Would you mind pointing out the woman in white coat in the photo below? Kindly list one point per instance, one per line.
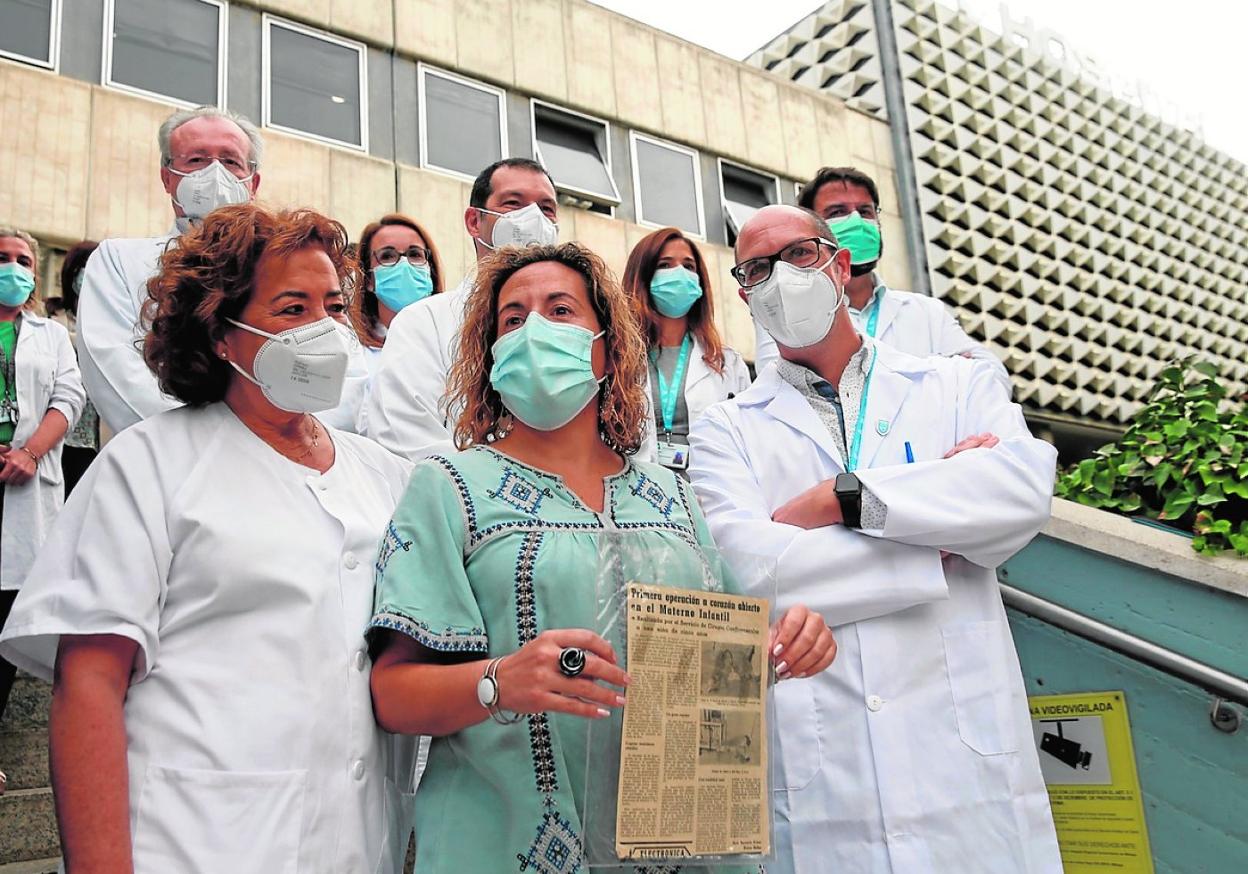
(40, 397)
(203, 595)
(690, 367)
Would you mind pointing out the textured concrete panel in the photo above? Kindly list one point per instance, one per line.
(681, 90)
(590, 57)
(537, 23)
(721, 104)
(296, 174)
(369, 20)
(438, 203)
(637, 89)
(426, 29)
(361, 189)
(760, 104)
(44, 154)
(483, 37)
(796, 114)
(125, 198)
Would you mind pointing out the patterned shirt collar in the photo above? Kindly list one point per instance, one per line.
(853, 378)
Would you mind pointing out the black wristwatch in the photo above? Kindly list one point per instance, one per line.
(849, 492)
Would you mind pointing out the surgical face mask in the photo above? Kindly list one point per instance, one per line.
(796, 305)
(402, 283)
(527, 226)
(16, 284)
(861, 237)
(674, 291)
(544, 372)
(301, 370)
(208, 188)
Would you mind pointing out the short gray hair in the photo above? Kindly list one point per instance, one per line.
(182, 116)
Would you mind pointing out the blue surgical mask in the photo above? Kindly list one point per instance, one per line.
(674, 291)
(544, 372)
(16, 284)
(402, 283)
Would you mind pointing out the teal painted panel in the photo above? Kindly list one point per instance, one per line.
(1201, 623)
(1194, 777)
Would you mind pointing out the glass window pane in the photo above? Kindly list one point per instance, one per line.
(667, 182)
(314, 85)
(26, 28)
(167, 47)
(462, 126)
(745, 193)
(570, 151)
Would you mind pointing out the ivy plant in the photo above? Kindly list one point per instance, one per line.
(1183, 462)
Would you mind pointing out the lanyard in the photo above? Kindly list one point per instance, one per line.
(667, 391)
(855, 445)
(873, 320)
(8, 400)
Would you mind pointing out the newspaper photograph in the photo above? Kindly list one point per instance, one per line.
(693, 755)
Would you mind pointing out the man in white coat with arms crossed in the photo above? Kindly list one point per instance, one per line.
(883, 490)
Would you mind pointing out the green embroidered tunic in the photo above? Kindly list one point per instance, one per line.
(483, 554)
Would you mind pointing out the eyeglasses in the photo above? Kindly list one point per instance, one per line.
(238, 167)
(388, 256)
(803, 253)
(868, 211)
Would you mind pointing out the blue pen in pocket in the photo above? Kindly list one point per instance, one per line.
(909, 453)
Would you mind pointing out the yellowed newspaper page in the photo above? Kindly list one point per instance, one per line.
(693, 756)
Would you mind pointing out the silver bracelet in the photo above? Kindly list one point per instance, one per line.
(490, 701)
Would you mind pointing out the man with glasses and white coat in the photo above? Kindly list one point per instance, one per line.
(849, 201)
(209, 157)
(512, 203)
(883, 490)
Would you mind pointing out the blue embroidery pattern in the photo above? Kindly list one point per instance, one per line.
(465, 498)
(517, 491)
(555, 850)
(391, 543)
(650, 492)
(447, 640)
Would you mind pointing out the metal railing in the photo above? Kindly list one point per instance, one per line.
(1219, 683)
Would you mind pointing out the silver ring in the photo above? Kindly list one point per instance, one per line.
(571, 661)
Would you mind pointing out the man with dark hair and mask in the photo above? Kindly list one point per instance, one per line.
(883, 490)
(209, 157)
(849, 201)
(512, 203)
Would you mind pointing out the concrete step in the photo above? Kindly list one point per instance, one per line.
(24, 758)
(27, 826)
(28, 705)
(35, 866)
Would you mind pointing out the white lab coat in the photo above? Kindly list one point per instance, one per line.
(246, 580)
(114, 288)
(110, 335)
(703, 389)
(913, 323)
(913, 752)
(47, 377)
(404, 410)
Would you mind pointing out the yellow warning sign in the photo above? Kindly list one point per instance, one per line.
(1084, 743)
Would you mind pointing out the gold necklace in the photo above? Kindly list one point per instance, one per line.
(315, 442)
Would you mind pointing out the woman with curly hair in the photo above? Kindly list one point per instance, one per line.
(485, 579)
(690, 367)
(201, 599)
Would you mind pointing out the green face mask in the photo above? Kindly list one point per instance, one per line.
(859, 236)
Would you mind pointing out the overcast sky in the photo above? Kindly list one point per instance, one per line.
(1190, 53)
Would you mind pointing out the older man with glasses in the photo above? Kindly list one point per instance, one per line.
(209, 157)
(848, 200)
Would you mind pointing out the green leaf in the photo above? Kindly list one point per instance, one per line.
(1162, 474)
(1176, 505)
(1103, 482)
(1177, 429)
(1206, 367)
(1130, 503)
(1200, 544)
(1239, 543)
(1221, 526)
(1210, 498)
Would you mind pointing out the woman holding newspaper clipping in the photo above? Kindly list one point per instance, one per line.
(485, 580)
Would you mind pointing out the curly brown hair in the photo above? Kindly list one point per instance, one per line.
(363, 305)
(622, 406)
(207, 275)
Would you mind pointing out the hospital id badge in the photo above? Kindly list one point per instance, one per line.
(674, 456)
